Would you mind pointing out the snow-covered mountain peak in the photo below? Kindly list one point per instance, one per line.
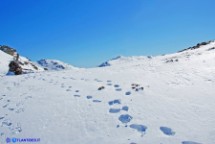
(122, 59)
(50, 64)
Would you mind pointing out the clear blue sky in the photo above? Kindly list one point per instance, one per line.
(87, 32)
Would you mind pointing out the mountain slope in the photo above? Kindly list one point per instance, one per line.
(135, 100)
(201, 50)
(26, 65)
(29, 66)
(4, 62)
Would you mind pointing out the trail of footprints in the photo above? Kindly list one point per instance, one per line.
(115, 107)
(125, 118)
(10, 107)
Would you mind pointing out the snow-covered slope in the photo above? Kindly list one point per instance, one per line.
(4, 62)
(29, 66)
(185, 55)
(54, 64)
(137, 100)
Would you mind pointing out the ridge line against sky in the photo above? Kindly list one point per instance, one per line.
(85, 33)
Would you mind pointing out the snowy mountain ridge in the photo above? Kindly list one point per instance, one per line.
(203, 48)
(8, 54)
(199, 45)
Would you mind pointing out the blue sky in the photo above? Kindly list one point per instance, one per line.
(87, 32)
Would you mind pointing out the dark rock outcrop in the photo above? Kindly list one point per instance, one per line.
(15, 68)
(196, 46)
(8, 50)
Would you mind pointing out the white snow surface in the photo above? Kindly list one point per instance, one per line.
(4, 62)
(177, 105)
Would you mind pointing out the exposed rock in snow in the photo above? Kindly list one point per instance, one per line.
(199, 45)
(7, 55)
(15, 68)
(8, 50)
(108, 63)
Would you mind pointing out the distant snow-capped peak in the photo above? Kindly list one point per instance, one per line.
(50, 64)
(123, 59)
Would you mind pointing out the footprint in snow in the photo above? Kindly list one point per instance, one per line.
(190, 142)
(28, 97)
(72, 78)
(125, 118)
(19, 110)
(97, 101)
(77, 96)
(128, 93)
(109, 84)
(118, 89)
(97, 80)
(89, 97)
(139, 128)
(117, 101)
(114, 110)
(125, 108)
(116, 86)
(6, 123)
(11, 109)
(5, 106)
(167, 131)
(19, 104)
